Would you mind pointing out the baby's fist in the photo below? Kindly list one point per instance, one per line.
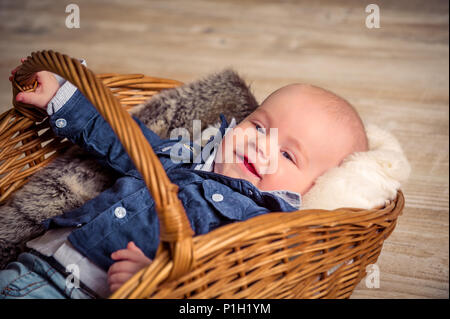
(128, 262)
(45, 90)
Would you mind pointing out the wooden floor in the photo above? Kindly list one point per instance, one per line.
(396, 76)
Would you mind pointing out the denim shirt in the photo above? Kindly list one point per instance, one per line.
(126, 211)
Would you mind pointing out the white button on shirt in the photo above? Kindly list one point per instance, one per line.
(217, 197)
(120, 212)
(60, 123)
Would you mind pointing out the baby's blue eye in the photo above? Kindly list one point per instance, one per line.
(286, 154)
(260, 129)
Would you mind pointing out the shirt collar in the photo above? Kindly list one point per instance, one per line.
(292, 198)
(270, 200)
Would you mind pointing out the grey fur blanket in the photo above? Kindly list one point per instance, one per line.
(75, 177)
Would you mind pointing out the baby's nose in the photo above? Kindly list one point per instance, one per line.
(269, 149)
(263, 153)
(266, 148)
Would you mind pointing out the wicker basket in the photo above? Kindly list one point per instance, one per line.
(304, 254)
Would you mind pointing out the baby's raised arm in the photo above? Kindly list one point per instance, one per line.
(73, 116)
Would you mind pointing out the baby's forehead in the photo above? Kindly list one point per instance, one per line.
(312, 107)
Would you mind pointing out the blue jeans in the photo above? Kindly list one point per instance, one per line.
(31, 277)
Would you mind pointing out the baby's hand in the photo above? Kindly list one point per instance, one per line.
(46, 89)
(132, 259)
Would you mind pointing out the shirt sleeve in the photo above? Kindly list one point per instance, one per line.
(80, 122)
(66, 90)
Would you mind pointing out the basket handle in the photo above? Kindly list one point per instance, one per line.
(175, 230)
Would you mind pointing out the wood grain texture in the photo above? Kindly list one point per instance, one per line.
(396, 77)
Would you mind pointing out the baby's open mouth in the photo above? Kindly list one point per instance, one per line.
(250, 167)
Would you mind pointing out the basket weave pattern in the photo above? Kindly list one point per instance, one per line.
(304, 254)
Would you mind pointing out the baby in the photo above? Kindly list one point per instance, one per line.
(264, 164)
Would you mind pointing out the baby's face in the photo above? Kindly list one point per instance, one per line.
(285, 144)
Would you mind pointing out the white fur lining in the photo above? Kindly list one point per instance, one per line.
(365, 179)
